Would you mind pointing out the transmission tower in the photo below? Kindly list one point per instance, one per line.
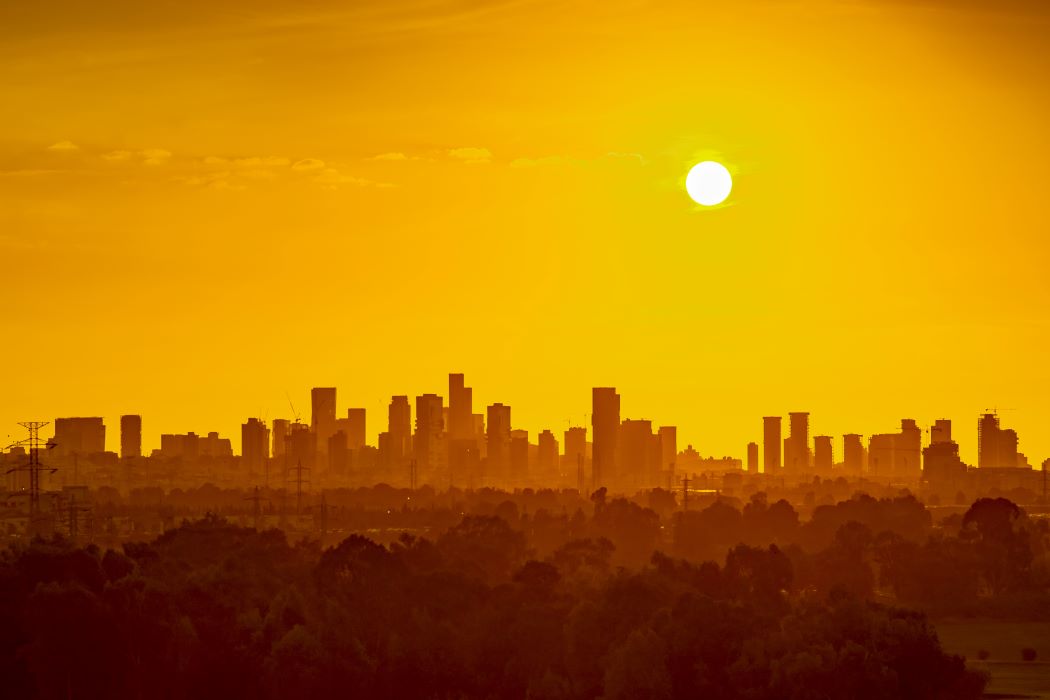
(32, 445)
(300, 479)
(74, 511)
(256, 499)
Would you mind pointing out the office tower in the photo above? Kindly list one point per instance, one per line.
(428, 444)
(605, 426)
(823, 455)
(796, 447)
(255, 446)
(519, 457)
(995, 447)
(575, 453)
(322, 415)
(941, 431)
(399, 425)
(897, 456)
(852, 454)
(497, 440)
(130, 436)
(633, 453)
(460, 409)
(463, 455)
(301, 447)
(547, 459)
(339, 453)
(771, 444)
(355, 428)
(668, 436)
(79, 436)
(752, 457)
(279, 433)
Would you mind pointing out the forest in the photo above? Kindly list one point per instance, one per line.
(622, 600)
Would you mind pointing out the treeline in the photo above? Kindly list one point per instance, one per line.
(522, 606)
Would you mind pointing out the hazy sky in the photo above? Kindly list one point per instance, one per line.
(205, 205)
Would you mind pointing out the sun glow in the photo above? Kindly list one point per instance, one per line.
(708, 183)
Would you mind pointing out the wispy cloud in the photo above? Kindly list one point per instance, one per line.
(471, 154)
(116, 156)
(155, 156)
(63, 146)
(307, 164)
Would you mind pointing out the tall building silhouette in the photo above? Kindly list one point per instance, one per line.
(519, 456)
(575, 450)
(771, 444)
(796, 446)
(823, 455)
(399, 426)
(547, 457)
(429, 438)
(79, 436)
(322, 415)
(668, 437)
(255, 446)
(605, 426)
(279, 429)
(995, 447)
(852, 454)
(354, 427)
(941, 431)
(497, 440)
(633, 448)
(752, 457)
(897, 455)
(460, 409)
(130, 436)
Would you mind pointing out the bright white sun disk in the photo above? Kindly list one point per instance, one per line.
(708, 183)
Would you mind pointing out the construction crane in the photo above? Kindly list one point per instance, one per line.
(292, 406)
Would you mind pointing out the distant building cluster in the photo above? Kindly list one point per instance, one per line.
(443, 443)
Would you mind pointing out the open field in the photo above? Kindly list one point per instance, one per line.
(1010, 675)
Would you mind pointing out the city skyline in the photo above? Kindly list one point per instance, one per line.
(797, 443)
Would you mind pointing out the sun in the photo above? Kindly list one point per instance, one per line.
(708, 183)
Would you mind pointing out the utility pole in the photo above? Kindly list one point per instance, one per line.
(579, 474)
(256, 499)
(299, 481)
(33, 444)
(413, 475)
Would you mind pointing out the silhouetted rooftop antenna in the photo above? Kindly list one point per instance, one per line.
(33, 443)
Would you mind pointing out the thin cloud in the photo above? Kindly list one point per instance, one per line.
(396, 155)
(307, 164)
(155, 156)
(471, 154)
(118, 156)
(63, 146)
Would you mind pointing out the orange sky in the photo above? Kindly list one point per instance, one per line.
(205, 205)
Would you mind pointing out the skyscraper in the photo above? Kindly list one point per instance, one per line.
(605, 426)
(255, 446)
(752, 457)
(497, 439)
(460, 410)
(399, 425)
(547, 458)
(79, 436)
(355, 428)
(796, 452)
(995, 447)
(668, 435)
(322, 415)
(941, 431)
(897, 456)
(852, 454)
(130, 436)
(575, 451)
(771, 444)
(633, 456)
(823, 455)
(428, 445)
(280, 427)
